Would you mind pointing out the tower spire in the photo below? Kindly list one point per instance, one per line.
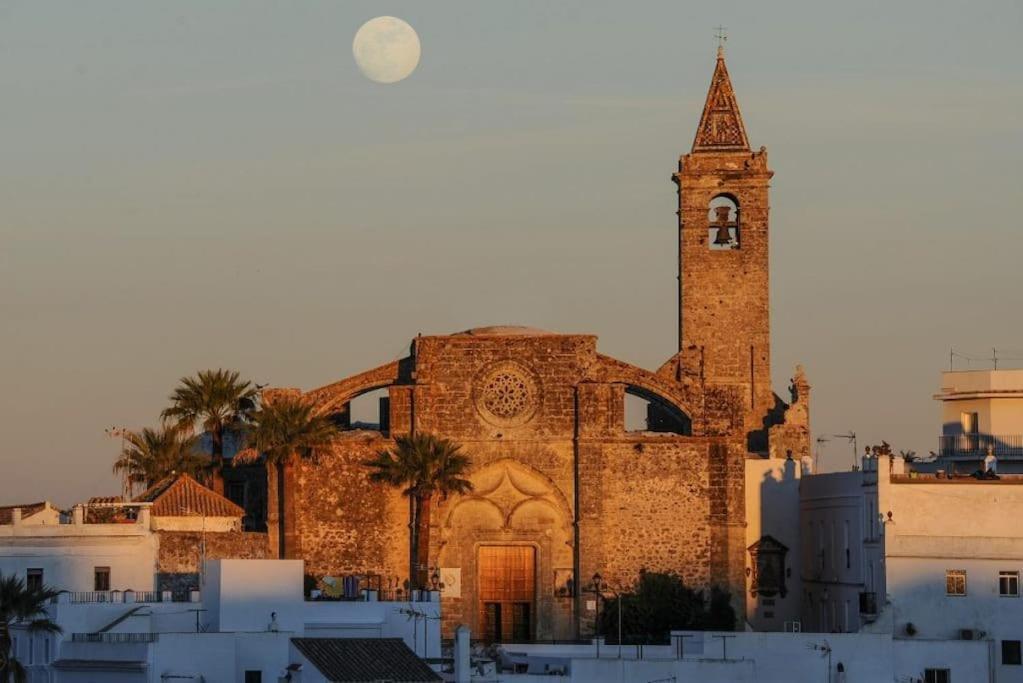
(721, 128)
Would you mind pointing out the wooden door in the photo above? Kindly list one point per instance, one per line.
(507, 589)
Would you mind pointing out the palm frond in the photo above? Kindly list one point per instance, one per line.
(285, 427)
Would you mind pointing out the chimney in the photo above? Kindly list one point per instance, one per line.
(16, 517)
(462, 663)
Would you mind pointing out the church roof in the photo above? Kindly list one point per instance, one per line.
(721, 128)
(179, 495)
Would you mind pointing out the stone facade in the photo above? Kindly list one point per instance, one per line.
(179, 554)
(542, 416)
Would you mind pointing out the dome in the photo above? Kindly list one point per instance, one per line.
(506, 330)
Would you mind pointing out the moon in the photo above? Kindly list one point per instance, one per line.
(386, 49)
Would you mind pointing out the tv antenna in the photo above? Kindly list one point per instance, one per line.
(851, 438)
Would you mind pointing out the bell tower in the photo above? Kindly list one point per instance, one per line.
(724, 315)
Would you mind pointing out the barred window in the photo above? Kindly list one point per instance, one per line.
(955, 582)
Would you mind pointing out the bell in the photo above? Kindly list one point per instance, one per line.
(724, 236)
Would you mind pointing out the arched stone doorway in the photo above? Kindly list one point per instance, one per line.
(508, 546)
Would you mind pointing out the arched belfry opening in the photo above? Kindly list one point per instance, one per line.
(723, 223)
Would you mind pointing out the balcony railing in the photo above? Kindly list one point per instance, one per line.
(976, 445)
(114, 638)
(126, 596)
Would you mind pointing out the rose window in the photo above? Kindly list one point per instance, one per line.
(506, 394)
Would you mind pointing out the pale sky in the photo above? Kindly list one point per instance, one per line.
(191, 184)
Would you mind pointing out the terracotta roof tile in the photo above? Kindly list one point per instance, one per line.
(179, 495)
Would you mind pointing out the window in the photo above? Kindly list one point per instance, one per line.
(34, 579)
(1011, 655)
(46, 649)
(1008, 584)
(101, 579)
(32, 650)
(845, 540)
(253, 677)
(937, 676)
(820, 544)
(955, 582)
(969, 422)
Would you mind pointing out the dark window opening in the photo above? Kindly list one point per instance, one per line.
(34, 579)
(648, 412)
(101, 579)
(521, 627)
(253, 677)
(235, 492)
(723, 224)
(1011, 653)
(937, 676)
(492, 622)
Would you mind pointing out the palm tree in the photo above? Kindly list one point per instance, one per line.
(25, 607)
(282, 430)
(219, 401)
(152, 454)
(423, 465)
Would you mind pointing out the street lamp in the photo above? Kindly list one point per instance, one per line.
(595, 588)
(599, 587)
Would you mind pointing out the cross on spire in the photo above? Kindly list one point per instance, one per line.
(721, 33)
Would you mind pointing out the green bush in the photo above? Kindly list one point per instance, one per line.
(661, 603)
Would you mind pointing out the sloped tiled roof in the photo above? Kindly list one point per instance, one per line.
(7, 511)
(360, 660)
(179, 495)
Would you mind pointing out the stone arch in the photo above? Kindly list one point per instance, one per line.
(507, 484)
(334, 396)
(611, 370)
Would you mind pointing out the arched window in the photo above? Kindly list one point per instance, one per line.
(723, 223)
(645, 411)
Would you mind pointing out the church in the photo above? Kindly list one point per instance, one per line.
(564, 487)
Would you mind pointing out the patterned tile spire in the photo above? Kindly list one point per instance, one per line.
(721, 128)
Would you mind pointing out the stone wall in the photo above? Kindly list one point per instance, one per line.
(179, 554)
(344, 523)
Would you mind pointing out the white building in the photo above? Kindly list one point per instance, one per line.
(926, 558)
(240, 630)
(981, 410)
(773, 580)
(953, 554)
(80, 556)
(842, 550)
